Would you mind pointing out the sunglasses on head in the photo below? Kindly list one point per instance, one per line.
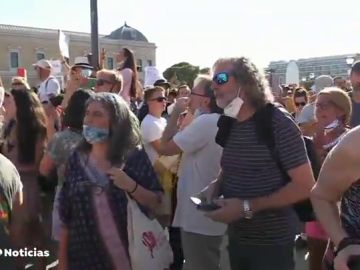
(222, 77)
(159, 99)
(298, 104)
(101, 82)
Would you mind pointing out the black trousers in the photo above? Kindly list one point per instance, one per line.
(251, 257)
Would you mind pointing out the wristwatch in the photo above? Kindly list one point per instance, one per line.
(248, 214)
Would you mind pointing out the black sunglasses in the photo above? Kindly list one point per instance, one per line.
(101, 82)
(159, 99)
(222, 77)
(298, 104)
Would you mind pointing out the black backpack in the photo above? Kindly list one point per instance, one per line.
(265, 134)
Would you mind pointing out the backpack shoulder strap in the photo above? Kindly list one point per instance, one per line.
(224, 124)
(263, 125)
(265, 132)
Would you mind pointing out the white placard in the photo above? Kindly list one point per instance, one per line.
(152, 74)
(292, 73)
(56, 68)
(64, 44)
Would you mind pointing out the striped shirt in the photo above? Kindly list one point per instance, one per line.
(249, 171)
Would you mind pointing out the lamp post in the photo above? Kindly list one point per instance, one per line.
(349, 61)
(94, 34)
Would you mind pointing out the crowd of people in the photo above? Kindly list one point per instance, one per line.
(223, 159)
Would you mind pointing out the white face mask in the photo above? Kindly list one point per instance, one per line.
(233, 108)
(332, 125)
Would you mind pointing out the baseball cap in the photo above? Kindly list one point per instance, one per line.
(44, 64)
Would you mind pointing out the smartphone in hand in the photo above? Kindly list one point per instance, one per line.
(204, 206)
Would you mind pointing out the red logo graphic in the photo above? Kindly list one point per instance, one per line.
(149, 241)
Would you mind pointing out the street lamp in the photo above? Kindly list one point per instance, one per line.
(349, 61)
(94, 34)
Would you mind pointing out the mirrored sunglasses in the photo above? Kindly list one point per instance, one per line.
(221, 78)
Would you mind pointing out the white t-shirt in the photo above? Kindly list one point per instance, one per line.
(200, 164)
(49, 88)
(152, 129)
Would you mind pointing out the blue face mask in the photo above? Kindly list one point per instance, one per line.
(95, 135)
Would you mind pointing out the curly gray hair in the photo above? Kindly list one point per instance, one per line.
(251, 80)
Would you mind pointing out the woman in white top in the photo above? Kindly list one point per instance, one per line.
(127, 68)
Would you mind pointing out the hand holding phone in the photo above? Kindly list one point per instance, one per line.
(203, 205)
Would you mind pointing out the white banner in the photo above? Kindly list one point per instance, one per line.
(56, 68)
(64, 44)
(292, 73)
(152, 74)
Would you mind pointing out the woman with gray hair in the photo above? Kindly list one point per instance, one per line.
(108, 163)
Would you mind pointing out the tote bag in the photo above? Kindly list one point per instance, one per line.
(149, 247)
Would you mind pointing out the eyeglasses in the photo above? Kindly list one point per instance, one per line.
(323, 105)
(17, 84)
(101, 82)
(222, 77)
(196, 94)
(298, 104)
(159, 99)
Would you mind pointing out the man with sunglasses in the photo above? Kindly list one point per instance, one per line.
(200, 163)
(258, 197)
(108, 81)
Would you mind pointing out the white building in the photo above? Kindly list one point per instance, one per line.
(310, 68)
(22, 46)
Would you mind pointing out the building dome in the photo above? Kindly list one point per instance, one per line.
(126, 32)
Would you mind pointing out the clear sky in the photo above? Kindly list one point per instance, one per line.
(200, 31)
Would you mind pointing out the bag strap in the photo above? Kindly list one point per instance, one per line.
(224, 124)
(47, 82)
(265, 133)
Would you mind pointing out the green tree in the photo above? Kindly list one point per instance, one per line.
(181, 72)
(205, 71)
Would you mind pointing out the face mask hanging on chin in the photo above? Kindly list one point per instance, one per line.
(233, 108)
(332, 126)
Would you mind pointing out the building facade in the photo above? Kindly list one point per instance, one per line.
(310, 68)
(23, 46)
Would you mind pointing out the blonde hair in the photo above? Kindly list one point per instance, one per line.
(21, 80)
(341, 100)
(115, 77)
